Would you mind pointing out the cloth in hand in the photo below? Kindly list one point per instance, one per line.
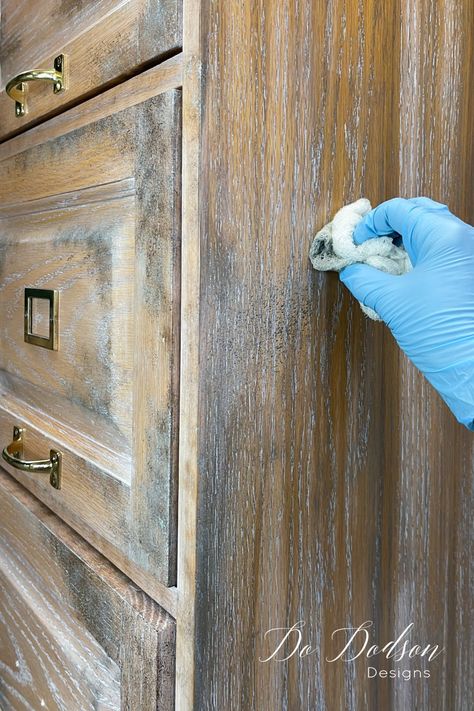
(333, 247)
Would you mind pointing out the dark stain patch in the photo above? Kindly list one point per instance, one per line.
(322, 254)
(96, 245)
(89, 599)
(157, 184)
(97, 375)
(3, 255)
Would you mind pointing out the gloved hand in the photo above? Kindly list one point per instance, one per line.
(430, 310)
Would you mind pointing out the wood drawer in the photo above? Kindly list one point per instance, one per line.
(75, 634)
(103, 41)
(91, 208)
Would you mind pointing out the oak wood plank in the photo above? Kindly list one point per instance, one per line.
(105, 42)
(431, 546)
(46, 676)
(334, 484)
(157, 264)
(77, 633)
(190, 368)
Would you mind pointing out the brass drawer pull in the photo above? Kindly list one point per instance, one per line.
(18, 86)
(51, 466)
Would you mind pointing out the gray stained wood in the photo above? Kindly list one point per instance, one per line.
(91, 207)
(335, 486)
(105, 41)
(75, 633)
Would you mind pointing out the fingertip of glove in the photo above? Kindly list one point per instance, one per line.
(343, 274)
(362, 233)
(348, 271)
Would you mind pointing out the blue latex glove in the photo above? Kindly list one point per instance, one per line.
(430, 310)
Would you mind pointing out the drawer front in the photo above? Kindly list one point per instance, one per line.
(92, 213)
(74, 632)
(103, 41)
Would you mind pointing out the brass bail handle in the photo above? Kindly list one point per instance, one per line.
(18, 86)
(52, 466)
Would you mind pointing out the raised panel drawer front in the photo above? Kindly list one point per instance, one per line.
(75, 633)
(103, 41)
(91, 211)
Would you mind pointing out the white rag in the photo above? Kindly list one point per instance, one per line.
(333, 247)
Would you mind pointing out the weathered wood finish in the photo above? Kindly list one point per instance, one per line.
(189, 371)
(105, 41)
(165, 76)
(335, 487)
(74, 632)
(83, 244)
(93, 210)
(431, 542)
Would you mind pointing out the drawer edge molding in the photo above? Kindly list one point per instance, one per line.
(109, 617)
(57, 523)
(165, 76)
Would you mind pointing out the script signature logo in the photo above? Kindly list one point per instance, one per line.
(354, 642)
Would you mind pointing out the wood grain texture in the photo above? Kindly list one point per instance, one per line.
(432, 545)
(167, 75)
(335, 486)
(74, 632)
(93, 210)
(85, 250)
(189, 342)
(104, 41)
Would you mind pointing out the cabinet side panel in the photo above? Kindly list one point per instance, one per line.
(320, 472)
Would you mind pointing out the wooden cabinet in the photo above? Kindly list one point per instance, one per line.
(90, 284)
(92, 211)
(103, 42)
(240, 448)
